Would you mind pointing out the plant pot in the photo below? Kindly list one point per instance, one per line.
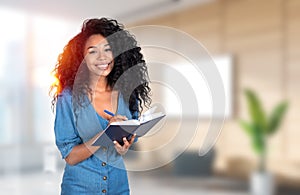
(262, 183)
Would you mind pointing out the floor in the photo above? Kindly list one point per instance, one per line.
(49, 184)
(147, 185)
(45, 183)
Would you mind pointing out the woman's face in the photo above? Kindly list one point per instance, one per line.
(98, 55)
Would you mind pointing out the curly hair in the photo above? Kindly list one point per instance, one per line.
(127, 55)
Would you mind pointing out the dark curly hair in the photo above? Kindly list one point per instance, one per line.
(127, 56)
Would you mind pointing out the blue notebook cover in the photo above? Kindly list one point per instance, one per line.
(116, 131)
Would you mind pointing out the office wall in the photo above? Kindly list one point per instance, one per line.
(263, 37)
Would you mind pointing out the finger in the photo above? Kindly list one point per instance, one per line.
(117, 145)
(126, 143)
(112, 119)
(120, 117)
(121, 150)
(117, 118)
(132, 139)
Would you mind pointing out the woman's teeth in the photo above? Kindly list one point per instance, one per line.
(102, 66)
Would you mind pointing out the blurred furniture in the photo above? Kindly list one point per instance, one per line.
(189, 163)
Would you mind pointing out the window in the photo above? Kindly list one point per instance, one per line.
(29, 46)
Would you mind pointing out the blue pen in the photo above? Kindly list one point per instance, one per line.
(109, 113)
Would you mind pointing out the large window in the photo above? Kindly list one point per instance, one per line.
(13, 72)
(29, 46)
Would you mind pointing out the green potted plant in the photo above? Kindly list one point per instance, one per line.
(260, 127)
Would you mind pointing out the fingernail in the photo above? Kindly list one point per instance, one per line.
(115, 142)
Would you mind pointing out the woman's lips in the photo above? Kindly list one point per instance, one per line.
(103, 66)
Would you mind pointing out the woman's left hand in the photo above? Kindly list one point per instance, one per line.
(123, 149)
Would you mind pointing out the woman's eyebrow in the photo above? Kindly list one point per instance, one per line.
(95, 47)
(92, 47)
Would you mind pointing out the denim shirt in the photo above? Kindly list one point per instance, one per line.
(102, 173)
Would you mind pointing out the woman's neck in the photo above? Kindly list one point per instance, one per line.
(100, 84)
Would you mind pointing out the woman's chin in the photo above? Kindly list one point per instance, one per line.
(104, 73)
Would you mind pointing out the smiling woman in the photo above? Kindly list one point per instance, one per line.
(87, 71)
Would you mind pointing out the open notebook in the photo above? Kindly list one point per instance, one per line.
(117, 130)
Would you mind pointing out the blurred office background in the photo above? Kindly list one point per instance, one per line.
(261, 36)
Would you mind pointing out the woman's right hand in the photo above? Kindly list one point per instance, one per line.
(117, 118)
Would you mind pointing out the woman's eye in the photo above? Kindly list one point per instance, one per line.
(92, 52)
(107, 49)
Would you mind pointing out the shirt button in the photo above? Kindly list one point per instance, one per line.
(104, 149)
(103, 191)
(104, 178)
(103, 164)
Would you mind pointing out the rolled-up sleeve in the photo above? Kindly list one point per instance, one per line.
(66, 136)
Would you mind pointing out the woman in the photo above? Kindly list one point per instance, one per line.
(101, 68)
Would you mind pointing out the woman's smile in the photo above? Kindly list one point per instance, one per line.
(103, 66)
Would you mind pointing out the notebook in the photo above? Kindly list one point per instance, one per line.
(117, 130)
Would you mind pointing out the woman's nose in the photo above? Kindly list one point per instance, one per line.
(101, 56)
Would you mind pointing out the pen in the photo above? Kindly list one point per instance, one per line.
(109, 113)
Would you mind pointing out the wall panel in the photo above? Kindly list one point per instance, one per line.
(263, 37)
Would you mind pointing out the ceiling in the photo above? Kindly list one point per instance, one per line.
(126, 11)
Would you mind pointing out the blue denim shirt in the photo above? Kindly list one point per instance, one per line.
(102, 173)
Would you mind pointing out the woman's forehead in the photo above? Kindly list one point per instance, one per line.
(96, 40)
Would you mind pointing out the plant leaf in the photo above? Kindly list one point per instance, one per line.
(256, 135)
(258, 140)
(255, 110)
(276, 117)
(258, 146)
(247, 127)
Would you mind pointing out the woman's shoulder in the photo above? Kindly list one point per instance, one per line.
(66, 92)
(65, 95)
